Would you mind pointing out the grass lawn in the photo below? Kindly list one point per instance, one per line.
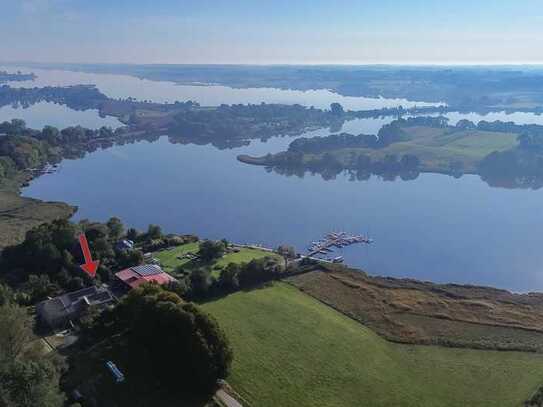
(245, 255)
(291, 350)
(438, 148)
(169, 258)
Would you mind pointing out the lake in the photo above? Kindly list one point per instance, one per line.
(46, 113)
(124, 86)
(433, 228)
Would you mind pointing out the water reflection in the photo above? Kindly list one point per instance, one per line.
(41, 114)
(434, 227)
(373, 125)
(123, 86)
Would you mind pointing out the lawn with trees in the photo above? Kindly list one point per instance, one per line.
(174, 259)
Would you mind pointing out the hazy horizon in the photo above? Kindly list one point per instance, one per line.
(292, 64)
(349, 32)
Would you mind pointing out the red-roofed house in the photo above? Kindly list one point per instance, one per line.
(135, 276)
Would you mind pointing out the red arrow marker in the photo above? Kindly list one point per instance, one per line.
(90, 266)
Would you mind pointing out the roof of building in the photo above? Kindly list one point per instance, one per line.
(69, 304)
(76, 295)
(135, 276)
(162, 278)
(127, 274)
(52, 309)
(147, 270)
(125, 244)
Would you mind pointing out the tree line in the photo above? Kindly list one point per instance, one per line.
(163, 345)
(22, 148)
(199, 283)
(27, 376)
(47, 263)
(78, 97)
(193, 353)
(231, 123)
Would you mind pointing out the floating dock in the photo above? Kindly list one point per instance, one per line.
(336, 240)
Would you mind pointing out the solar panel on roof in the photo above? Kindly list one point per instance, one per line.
(74, 296)
(147, 270)
(100, 297)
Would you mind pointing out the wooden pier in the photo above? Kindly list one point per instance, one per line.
(336, 240)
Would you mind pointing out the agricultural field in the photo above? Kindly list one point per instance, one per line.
(292, 350)
(173, 258)
(437, 148)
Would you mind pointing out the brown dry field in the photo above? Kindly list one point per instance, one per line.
(411, 311)
(18, 215)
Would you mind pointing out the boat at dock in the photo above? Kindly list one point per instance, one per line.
(337, 240)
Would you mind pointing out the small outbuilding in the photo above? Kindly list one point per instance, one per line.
(124, 244)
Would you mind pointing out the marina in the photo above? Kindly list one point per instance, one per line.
(336, 240)
(46, 169)
(412, 232)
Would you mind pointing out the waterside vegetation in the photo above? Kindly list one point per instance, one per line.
(503, 153)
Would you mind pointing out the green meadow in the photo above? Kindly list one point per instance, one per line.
(291, 350)
(438, 148)
(173, 258)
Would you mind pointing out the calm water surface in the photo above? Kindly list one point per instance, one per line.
(124, 86)
(433, 228)
(41, 114)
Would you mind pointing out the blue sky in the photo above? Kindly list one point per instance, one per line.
(280, 31)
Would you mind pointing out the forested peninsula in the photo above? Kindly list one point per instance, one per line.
(503, 153)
